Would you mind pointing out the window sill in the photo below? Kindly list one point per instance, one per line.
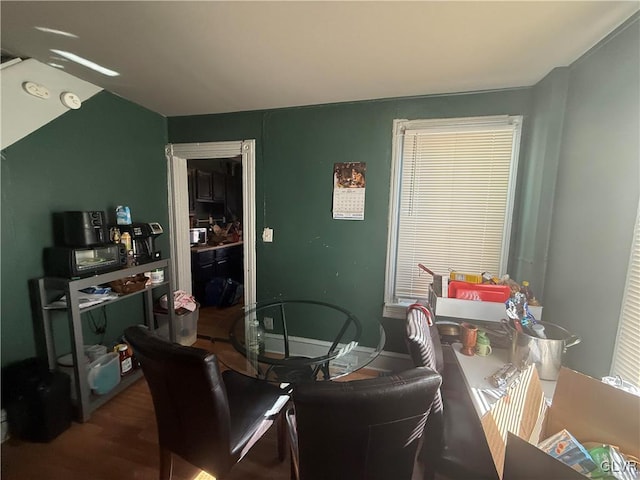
(395, 310)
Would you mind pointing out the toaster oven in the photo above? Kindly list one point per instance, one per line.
(69, 262)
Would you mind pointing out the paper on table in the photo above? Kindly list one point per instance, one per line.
(85, 299)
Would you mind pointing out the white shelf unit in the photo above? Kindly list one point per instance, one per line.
(47, 289)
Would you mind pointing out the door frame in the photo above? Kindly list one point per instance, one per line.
(178, 197)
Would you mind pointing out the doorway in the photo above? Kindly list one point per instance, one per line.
(179, 220)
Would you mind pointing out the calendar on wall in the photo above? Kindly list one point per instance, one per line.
(348, 190)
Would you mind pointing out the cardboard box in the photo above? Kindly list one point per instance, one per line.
(589, 409)
(472, 310)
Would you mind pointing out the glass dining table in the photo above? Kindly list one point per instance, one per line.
(293, 341)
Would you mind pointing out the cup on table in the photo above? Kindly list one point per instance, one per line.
(468, 336)
(483, 347)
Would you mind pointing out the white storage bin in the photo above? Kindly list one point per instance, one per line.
(185, 325)
(104, 373)
(94, 352)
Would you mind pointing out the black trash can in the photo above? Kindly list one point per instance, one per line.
(37, 401)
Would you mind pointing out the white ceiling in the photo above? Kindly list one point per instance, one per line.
(184, 58)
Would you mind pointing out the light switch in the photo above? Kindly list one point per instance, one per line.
(267, 235)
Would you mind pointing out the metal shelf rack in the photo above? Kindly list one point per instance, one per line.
(47, 289)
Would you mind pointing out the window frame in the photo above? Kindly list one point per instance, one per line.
(394, 307)
(624, 345)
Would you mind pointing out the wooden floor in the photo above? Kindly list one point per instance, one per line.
(120, 439)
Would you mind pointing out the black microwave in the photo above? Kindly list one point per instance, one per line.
(69, 262)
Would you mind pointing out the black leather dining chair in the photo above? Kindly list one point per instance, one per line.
(209, 419)
(455, 444)
(363, 429)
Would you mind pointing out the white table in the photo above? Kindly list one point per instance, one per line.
(476, 370)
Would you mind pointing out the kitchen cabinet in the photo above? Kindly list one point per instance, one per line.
(212, 262)
(48, 289)
(218, 186)
(210, 186)
(204, 188)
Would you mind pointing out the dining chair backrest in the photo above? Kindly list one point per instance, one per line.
(454, 442)
(190, 399)
(425, 349)
(364, 429)
(423, 339)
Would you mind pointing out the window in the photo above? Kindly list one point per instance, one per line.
(451, 201)
(626, 355)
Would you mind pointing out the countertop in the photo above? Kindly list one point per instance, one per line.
(477, 369)
(206, 248)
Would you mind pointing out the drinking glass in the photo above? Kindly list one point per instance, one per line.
(468, 336)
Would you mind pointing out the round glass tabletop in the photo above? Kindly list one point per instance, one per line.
(291, 341)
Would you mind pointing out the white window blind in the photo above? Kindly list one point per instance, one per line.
(455, 199)
(626, 356)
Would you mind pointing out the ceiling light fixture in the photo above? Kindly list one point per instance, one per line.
(86, 63)
(56, 32)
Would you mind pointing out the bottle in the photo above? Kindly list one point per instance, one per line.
(526, 290)
(126, 362)
(115, 235)
(123, 215)
(528, 293)
(126, 239)
(255, 343)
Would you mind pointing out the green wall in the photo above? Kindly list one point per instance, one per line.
(596, 200)
(314, 256)
(107, 153)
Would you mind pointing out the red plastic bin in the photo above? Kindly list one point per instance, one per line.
(479, 292)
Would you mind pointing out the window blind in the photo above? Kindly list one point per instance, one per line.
(626, 355)
(455, 200)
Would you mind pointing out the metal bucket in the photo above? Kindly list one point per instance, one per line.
(546, 353)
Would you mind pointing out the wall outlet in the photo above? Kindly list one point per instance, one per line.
(267, 234)
(268, 323)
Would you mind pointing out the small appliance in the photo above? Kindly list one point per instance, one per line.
(80, 229)
(69, 262)
(143, 237)
(198, 236)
